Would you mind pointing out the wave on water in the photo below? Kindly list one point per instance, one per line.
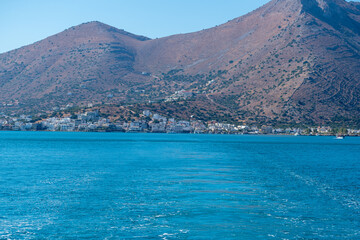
(346, 199)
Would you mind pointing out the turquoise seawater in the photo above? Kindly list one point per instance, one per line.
(158, 186)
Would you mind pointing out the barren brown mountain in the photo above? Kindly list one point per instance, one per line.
(288, 60)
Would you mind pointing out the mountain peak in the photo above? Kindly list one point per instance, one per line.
(96, 26)
(322, 4)
(337, 13)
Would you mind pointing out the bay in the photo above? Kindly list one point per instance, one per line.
(57, 185)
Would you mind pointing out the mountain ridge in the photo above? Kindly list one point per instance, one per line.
(285, 61)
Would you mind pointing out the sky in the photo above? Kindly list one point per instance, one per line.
(23, 22)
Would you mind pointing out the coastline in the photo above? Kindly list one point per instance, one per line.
(184, 133)
(150, 122)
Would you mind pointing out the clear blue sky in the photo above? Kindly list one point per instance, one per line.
(23, 22)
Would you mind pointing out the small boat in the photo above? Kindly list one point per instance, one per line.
(339, 137)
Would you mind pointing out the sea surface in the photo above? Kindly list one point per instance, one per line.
(162, 186)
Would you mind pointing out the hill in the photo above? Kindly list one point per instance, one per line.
(290, 60)
(84, 63)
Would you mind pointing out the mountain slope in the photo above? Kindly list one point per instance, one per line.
(290, 60)
(83, 62)
(274, 61)
(332, 37)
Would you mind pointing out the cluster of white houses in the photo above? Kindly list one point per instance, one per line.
(92, 121)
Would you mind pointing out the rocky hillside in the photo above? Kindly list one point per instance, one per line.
(84, 63)
(290, 60)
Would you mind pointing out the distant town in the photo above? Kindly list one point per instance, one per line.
(153, 123)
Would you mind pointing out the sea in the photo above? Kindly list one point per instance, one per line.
(57, 185)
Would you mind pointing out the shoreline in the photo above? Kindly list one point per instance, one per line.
(179, 133)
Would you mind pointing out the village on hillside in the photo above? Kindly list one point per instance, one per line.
(150, 122)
